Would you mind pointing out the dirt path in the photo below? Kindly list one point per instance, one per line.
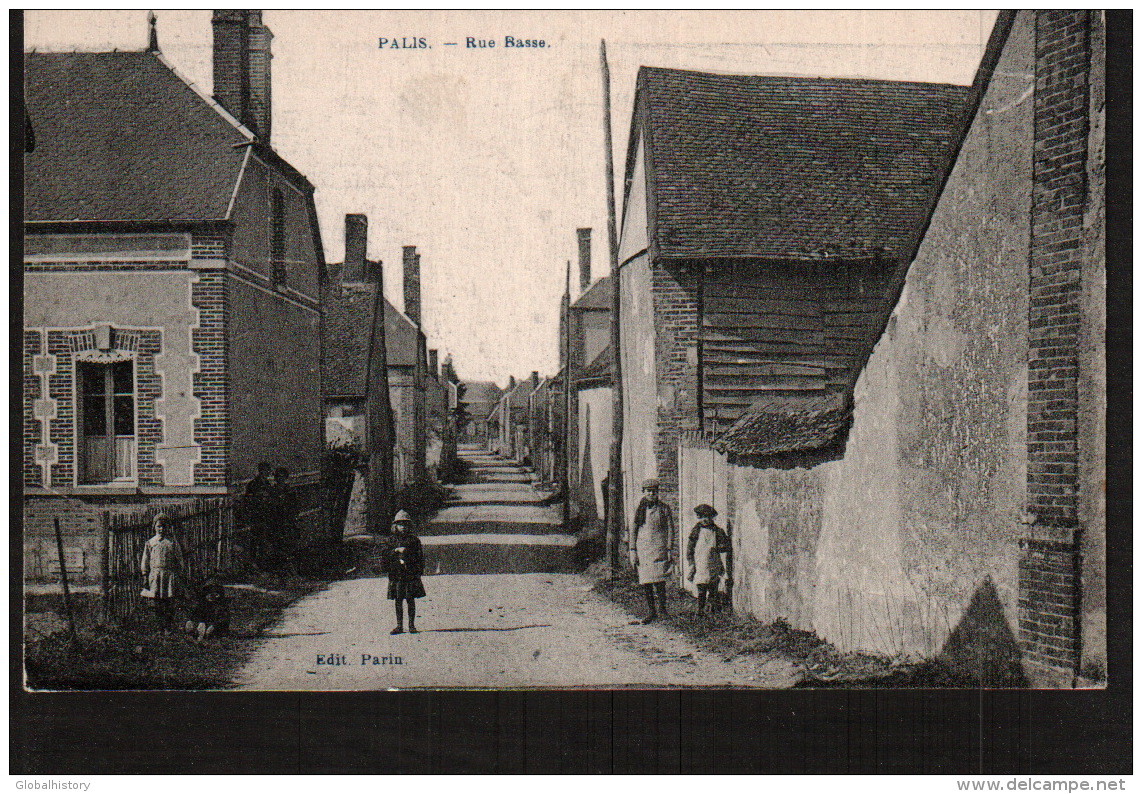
(502, 610)
(498, 631)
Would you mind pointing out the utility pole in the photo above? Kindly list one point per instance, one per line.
(614, 490)
(567, 451)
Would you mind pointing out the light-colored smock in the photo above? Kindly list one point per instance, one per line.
(653, 538)
(705, 547)
(161, 564)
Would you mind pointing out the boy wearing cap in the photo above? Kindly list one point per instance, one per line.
(404, 562)
(651, 547)
(707, 551)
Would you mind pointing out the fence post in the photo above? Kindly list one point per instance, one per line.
(105, 571)
(63, 579)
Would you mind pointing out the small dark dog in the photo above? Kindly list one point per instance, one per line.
(210, 614)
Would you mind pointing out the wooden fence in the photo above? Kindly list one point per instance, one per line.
(205, 530)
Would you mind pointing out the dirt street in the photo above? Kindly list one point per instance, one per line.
(497, 630)
(504, 609)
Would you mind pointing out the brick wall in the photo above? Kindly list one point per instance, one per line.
(1049, 597)
(212, 381)
(675, 295)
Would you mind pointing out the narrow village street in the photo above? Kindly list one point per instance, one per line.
(504, 609)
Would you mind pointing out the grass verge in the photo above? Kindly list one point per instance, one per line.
(821, 664)
(137, 655)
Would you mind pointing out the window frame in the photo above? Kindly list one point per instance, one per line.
(109, 399)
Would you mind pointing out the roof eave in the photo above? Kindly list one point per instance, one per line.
(128, 224)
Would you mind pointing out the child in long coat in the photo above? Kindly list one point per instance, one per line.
(161, 564)
(404, 562)
(707, 553)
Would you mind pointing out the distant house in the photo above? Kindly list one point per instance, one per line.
(172, 269)
(545, 409)
(408, 375)
(592, 392)
(440, 449)
(512, 418)
(586, 353)
(865, 321)
(479, 398)
(350, 305)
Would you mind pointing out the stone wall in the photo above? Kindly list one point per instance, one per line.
(908, 545)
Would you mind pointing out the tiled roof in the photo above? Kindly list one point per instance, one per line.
(348, 320)
(348, 317)
(401, 335)
(597, 296)
(481, 393)
(782, 426)
(119, 136)
(598, 369)
(790, 167)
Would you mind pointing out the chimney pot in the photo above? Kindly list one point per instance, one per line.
(534, 379)
(412, 284)
(511, 382)
(584, 259)
(356, 244)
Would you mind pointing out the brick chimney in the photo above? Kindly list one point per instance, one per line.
(433, 363)
(584, 259)
(356, 243)
(511, 382)
(412, 284)
(260, 83)
(242, 68)
(534, 379)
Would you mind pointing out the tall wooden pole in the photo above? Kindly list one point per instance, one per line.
(568, 453)
(614, 495)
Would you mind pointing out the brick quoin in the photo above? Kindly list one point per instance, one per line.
(1049, 596)
(675, 294)
(33, 428)
(211, 382)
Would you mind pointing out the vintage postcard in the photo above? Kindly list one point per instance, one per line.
(566, 349)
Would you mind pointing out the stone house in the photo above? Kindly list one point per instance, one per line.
(172, 271)
(350, 307)
(591, 387)
(512, 418)
(585, 352)
(440, 430)
(479, 399)
(933, 485)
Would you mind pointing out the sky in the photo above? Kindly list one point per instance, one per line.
(488, 159)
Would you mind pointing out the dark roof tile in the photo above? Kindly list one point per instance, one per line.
(597, 296)
(120, 136)
(794, 168)
(782, 426)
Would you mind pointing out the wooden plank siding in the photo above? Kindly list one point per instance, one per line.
(790, 328)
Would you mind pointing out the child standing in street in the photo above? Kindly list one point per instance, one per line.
(707, 552)
(404, 562)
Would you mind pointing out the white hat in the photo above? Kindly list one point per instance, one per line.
(402, 517)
